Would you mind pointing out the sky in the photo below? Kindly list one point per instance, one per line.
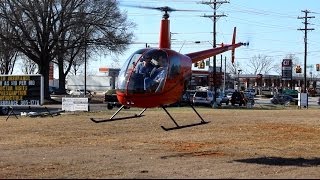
(271, 28)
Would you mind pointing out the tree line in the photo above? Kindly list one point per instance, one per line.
(60, 32)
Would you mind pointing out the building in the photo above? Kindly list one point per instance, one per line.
(250, 81)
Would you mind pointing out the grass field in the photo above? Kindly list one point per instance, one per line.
(262, 142)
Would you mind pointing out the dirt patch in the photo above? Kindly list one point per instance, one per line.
(237, 143)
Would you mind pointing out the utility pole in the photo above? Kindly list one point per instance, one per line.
(213, 4)
(306, 29)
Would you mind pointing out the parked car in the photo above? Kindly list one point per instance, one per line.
(80, 92)
(4, 110)
(222, 99)
(249, 97)
(282, 99)
(203, 98)
(291, 92)
(186, 99)
(229, 95)
(318, 101)
(238, 98)
(252, 92)
(54, 90)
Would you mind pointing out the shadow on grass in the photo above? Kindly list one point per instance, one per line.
(279, 161)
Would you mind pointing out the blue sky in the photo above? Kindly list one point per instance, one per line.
(270, 26)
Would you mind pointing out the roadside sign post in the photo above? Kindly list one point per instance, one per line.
(303, 100)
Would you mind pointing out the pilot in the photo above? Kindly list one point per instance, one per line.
(157, 76)
(143, 70)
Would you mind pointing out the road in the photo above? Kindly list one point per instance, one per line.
(94, 107)
(312, 101)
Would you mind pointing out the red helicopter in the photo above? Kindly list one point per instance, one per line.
(139, 88)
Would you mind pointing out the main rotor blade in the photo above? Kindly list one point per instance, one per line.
(164, 8)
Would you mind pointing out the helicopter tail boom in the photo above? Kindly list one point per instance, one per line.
(201, 55)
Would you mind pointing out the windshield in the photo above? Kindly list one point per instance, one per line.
(127, 67)
(144, 71)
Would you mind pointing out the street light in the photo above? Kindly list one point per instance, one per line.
(239, 71)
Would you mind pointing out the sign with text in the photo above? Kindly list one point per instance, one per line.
(21, 90)
(286, 69)
(75, 104)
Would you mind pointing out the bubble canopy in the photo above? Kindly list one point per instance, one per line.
(144, 71)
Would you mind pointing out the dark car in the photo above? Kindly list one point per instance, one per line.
(249, 97)
(238, 98)
(222, 99)
(318, 101)
(185, 100)
(4, 110)
(291, 92)
(54, 90)
(282, 99)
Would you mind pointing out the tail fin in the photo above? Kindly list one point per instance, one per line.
(233, 43)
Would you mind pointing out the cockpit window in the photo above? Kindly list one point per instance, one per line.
(148, 73)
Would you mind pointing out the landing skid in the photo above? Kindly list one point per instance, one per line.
(184, 126)
(112, 118)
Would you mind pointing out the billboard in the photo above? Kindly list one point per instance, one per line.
(21, 90)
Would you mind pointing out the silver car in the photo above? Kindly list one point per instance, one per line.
(203, 98)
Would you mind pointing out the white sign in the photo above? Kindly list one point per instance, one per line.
(75, 104)
(303, 99)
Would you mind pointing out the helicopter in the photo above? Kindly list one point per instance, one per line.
(132, 88)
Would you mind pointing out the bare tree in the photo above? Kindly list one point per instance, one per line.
(260, 64)
(97, 27)
(46, 30)
(8, 58)
(29, 67)
(8, 55)
(233, 68)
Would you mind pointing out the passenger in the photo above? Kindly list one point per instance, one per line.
(157, 78)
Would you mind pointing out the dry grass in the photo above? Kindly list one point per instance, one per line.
(237, 143)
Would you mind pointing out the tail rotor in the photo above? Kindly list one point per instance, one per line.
(234, 45)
